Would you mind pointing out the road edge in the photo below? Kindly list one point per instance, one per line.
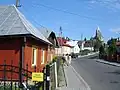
(80, 78)
(108, 63)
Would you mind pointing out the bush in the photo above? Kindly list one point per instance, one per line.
(55, 59)
(73, 55)
(85, 52)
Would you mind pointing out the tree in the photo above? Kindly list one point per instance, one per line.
(67, 38)
(85, 39)
(112, 47)
(97, 44)
(102, 51)
(91, 38)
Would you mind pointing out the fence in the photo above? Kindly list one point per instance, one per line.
(57, 75)
(16, 78)
(53, 76)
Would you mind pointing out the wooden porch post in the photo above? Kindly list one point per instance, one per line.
(21, 65)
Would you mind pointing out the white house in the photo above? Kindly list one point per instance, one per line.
(64, 47)
(86, 45)
(74, 46)
(63, 50)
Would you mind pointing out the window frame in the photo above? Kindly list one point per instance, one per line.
(34, 56)
(43, 56)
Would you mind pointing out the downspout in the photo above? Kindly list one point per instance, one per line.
(22, 48)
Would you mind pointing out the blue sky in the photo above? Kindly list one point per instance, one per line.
(86, 16)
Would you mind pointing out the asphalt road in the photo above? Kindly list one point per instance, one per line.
(99, 76)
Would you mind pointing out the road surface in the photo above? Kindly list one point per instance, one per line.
(99, 76)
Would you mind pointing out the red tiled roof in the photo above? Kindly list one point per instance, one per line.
(62, 42)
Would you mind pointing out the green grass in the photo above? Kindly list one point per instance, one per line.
(8, 88)
(41, 88)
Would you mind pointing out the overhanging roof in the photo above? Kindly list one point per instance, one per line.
(13, 22)
(46, 32)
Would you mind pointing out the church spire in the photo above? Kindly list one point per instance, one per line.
(98, 34)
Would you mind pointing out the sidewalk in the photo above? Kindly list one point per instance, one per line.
(74, 81)
(109, 63)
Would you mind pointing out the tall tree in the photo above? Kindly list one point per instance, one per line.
(112, 47)
(97, 44)
(85, 39)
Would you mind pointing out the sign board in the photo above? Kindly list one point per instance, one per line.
(48, 78)
(38, 77)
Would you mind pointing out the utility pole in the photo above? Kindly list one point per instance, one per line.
(61, 42)
(81, 37)
(81, 44)
(17, 3)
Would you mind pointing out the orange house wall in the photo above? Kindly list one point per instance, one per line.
(9, 50)
(29, 56)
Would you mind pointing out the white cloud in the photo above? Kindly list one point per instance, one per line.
(116, 30)
(113, 5)
(92, 1)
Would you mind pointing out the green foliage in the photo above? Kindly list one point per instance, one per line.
(41, 88)
(97, 44)
(85, 39)
(101, 49)
(112, 47)
(8, 87)
(85, 52)
(55, 59)
(67, 38)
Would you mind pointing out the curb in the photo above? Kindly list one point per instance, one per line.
(87, 55)
(109, 63)
(80, 78)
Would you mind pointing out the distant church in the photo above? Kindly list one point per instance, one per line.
(98, 34)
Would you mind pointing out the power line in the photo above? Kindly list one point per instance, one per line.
(32, 17)
(64, 11)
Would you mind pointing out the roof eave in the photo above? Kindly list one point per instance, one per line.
(25, 35)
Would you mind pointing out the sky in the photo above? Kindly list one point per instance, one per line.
(76, 17)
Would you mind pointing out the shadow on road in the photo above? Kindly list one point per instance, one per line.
(117, 72)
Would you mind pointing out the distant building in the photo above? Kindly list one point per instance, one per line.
(86, 45)
(81, 44)
(98, 34)
(64, 47)
(74, 46)
(51, 36)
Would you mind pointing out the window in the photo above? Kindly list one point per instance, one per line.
(34, 59)
(43, 56)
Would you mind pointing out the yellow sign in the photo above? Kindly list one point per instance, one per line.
(37, 77)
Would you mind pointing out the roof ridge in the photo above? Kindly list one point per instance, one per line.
(29, 27)
(21, 16)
